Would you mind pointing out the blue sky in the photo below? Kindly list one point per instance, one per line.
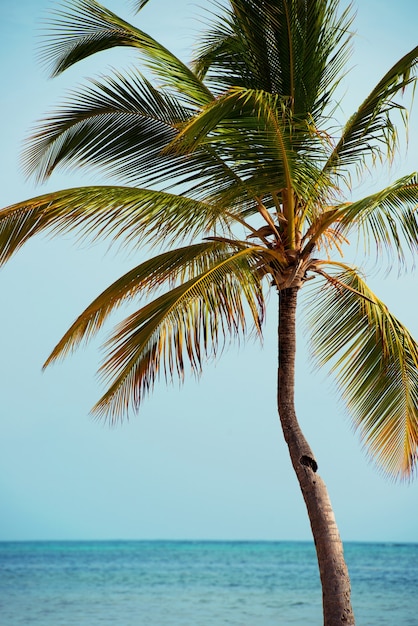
(203, 461)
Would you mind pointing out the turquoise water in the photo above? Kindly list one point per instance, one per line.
(197, 583)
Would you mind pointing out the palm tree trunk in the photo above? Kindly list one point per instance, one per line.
(332, 567)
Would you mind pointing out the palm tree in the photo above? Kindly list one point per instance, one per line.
(237, 172)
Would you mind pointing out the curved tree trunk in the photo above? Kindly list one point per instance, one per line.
(332, 567)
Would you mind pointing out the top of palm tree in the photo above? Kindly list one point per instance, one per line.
(240, 160)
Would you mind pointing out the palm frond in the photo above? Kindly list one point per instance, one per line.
(83, 27)
(132, 215)
(371, 132)
(375, 360)
(386, 220)
(187, 324)
(168, 268)
(140, 4)
(296, 50)
(119, 124)
(250, 130)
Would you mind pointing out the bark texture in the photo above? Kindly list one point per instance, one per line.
(336, 590)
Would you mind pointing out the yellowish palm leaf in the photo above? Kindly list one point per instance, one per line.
(375, 359)
(185, 324)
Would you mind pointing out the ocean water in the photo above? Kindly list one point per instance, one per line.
(158, 583)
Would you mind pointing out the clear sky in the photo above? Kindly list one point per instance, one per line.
(203, 461)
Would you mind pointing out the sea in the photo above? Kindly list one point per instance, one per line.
(197, 583)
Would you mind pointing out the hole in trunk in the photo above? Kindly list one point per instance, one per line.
(308, 461)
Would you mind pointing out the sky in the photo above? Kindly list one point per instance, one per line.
(201, 461)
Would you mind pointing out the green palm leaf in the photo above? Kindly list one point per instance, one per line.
(85, 27)
(290, 49)
(120, 125)
(250, 130)
(134, 215)
(140, 4)
(186, 324)
(387, 220)
(376, 363)
(371, 131)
